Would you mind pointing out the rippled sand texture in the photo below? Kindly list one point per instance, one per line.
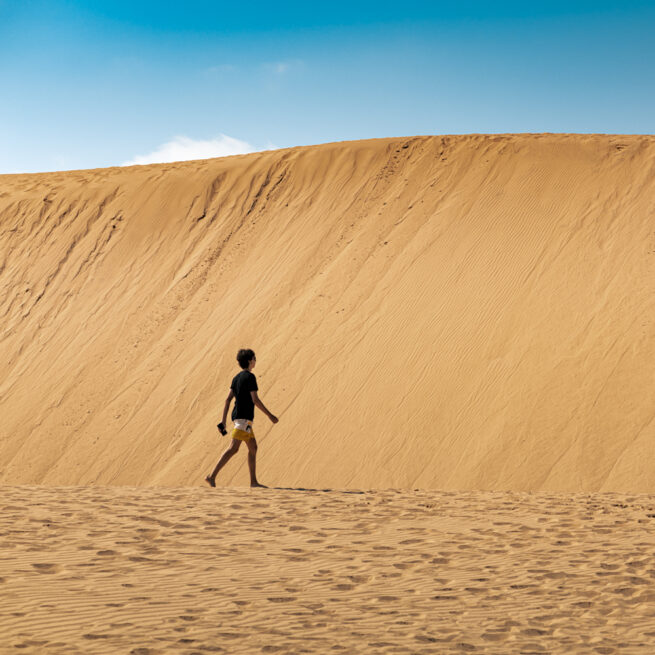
(466, 312)
(125, 570)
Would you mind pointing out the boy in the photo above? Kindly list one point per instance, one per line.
(244, 389)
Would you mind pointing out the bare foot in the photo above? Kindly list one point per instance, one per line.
(256, 484)
(210, 481)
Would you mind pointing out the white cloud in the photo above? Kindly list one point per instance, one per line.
(282, 67)
(182, 148)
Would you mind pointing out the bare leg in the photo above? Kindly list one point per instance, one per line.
(252, 461)
(225, 458)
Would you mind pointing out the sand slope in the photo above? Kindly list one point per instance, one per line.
(437, 312)
(154, 571)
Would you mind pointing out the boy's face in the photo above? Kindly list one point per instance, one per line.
(252, 363)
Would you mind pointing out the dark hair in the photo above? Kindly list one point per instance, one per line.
(244, 356)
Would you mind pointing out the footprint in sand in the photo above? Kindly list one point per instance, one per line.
(636, 580)
(494, 635)
(534, 632)
(609, 567)
(439, 560)
(46, 567)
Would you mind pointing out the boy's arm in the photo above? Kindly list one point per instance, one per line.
(226, 409)
(260, 404)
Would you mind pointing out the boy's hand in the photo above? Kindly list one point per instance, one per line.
(274, 419)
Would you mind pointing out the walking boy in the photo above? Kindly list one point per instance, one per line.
(244, 390)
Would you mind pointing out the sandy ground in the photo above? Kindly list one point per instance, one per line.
(454, 312)
(196, 570)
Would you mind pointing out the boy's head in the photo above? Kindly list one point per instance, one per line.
(245, 356)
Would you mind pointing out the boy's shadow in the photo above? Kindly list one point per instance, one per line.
(338, 491)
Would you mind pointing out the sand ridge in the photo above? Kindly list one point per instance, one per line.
(184, 570)
(456, 312)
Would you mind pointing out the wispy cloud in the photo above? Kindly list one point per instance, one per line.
(282, 67)
(182, 148)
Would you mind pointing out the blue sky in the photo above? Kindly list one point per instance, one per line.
(92, 84)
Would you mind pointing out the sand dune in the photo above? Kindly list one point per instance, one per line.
(181, 570)
(468, 312)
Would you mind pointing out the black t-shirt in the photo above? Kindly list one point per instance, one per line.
(242, 384)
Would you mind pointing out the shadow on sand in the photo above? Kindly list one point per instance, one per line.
(334, 491)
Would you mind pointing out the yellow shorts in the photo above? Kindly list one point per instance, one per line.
(242, 435)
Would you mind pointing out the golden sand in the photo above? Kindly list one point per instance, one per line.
(444, 322)
(184, 570)
(465, 312)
